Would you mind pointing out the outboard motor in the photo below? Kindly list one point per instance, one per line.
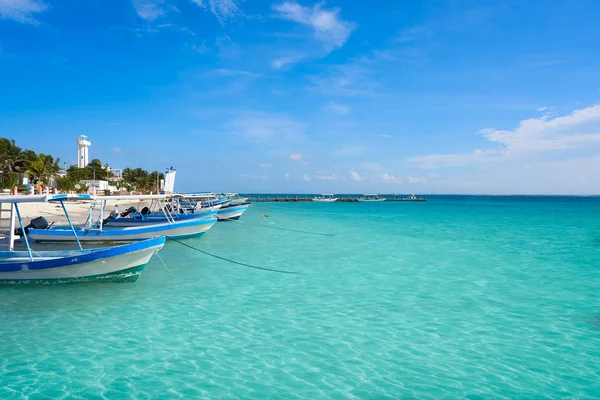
(36, 223)
(128, 211)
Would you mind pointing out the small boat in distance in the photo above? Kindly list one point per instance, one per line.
(371, 197)
(236, 199)
(38, 266)
(325, 198)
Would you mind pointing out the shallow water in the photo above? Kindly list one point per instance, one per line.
(457, 297)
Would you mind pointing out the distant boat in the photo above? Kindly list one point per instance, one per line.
(236, 199)
(371, 197)
(34, 266)
(325, 198)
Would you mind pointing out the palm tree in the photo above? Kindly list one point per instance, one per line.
(11, 156)
(43, 167)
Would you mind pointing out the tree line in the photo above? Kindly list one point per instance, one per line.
(40, 167)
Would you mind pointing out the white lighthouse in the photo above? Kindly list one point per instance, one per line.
(82, 151)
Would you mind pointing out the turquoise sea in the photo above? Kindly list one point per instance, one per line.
(458, 297)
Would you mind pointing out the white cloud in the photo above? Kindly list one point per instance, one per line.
(222, 9)
(387, 178)
(261, 165)
(341, 109)
(236, 72)
(298, 158)
(354, 176)
(415, 179)
(255, 177)
(327, 26)
(579, 130)
(21, 10)
(281, 62)
(385, 136)
(117, 150)
(325, 177)
(287, 176)
(151, 10)
(542, 109)
(260, 126)
(306, 178)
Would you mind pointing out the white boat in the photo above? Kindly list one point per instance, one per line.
(35, 266)
(371, 197)
(325, 198)
(236, 199)
(232, 212)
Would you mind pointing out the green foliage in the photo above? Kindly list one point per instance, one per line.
(12, 158)
(141, 180)
(8, 180)
(43, 167)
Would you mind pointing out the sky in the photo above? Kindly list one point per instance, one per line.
(393, 96)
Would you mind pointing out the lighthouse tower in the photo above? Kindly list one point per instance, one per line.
(82, 151)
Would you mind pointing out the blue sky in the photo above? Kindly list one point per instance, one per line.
(283, 96)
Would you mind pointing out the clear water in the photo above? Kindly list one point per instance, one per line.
(453, 298)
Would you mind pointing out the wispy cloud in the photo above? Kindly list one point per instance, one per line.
(117, 150)
(255, 177)
(298, 158)
(577, 130)
(354, 176)
(327, 26)
(328, 177)
(415, 179)
(266, 127)
(387, 178)
(151, 10)
(337, 108)
(384, 135)
(21, 10)
(262, 165)
(306, 178)
(282, 62)
(224, 10)
(287, 176)
(236, 72)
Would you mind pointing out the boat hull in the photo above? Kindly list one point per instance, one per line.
(160, 219)
(177, 229)
(113, 264)
(232, 212)
(371, 200)
(325, 200)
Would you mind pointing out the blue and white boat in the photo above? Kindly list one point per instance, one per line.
(232, 212)
(36, 266)
(230, 207)
(111, 230)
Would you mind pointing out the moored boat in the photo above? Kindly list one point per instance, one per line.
(325, 198)
(371, 197)
(232, 212)
(34, 266)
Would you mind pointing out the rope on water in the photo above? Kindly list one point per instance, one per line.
(286, 229)
(232, 261)
(167, 268)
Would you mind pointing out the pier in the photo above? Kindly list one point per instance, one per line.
(340, 199)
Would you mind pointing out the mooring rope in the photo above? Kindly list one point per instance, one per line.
(167, 268)
(232, 261)
(286, 229)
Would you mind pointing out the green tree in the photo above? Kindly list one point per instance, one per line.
(43, 168)
(99, 172)
(11, 157)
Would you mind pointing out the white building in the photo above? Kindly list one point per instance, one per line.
(82, 151)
